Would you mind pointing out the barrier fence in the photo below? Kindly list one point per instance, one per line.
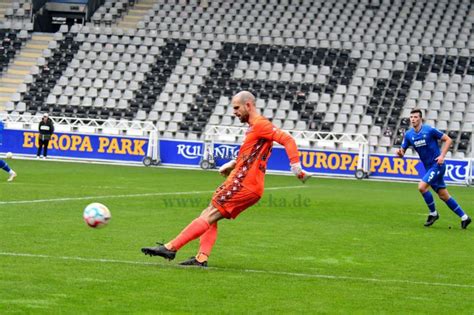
(190, 153)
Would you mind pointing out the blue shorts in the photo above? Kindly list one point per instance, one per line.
(435, 177)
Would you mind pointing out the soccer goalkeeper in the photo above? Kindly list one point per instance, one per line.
(244, 184)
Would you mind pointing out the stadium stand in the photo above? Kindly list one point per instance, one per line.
(16, 15)
(11, 42)
(110, 12)
(15, 31)
(334, 66)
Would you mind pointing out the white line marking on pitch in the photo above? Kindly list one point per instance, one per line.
(130, 196)
(268, 272)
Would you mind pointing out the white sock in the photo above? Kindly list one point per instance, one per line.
(11, 172)
(464, 217)
(435, 213)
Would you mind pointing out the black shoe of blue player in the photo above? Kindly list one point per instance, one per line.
(465, 223)
(431, 219)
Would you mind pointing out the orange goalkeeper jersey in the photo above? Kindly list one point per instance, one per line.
(254, 153)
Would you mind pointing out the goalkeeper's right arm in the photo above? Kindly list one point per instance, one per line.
(291, 149)
(301, 174)
(227, 168)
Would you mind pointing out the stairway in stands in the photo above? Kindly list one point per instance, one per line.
(21, 66)
(135, 14)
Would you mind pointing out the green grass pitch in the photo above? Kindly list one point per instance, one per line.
(330, 246)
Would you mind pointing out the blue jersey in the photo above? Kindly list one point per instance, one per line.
(425, 143)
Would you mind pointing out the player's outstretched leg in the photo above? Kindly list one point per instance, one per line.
(159, 250)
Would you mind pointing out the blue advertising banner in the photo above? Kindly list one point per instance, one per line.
(190, 153)
(75, 145)
(319, 162)
(181, 152)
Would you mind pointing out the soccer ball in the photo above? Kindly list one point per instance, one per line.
(96, 215)
(9, 155)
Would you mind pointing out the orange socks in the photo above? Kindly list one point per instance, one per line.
(206, 242)
(199, 227)
(195, 229)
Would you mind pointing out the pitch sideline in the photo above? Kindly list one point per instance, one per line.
(267, 272)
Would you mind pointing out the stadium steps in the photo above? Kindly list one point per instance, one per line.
(21, 65)
(135, 14)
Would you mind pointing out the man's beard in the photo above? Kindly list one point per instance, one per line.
(244, 118)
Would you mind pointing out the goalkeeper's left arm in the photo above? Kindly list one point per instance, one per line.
(291, 149)
(226, 168)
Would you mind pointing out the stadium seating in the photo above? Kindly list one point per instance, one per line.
(345, 66)
(111, 12)
(10, 42)
(15, 26)
(45, 80)
(17, 16)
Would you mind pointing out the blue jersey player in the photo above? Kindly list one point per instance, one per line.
(4, 166)
(424, 139)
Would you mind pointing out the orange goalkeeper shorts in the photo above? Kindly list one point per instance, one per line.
(231, 203)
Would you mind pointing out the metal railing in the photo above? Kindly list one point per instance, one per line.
(302, 138)
(83, 125)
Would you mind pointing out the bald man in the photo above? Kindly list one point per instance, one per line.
(244, 184)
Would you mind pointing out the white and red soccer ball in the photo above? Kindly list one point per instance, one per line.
(96, 215)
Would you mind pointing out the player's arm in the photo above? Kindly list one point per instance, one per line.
(291, 149)
(402, 150)
(226, 168)
(447, 142)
